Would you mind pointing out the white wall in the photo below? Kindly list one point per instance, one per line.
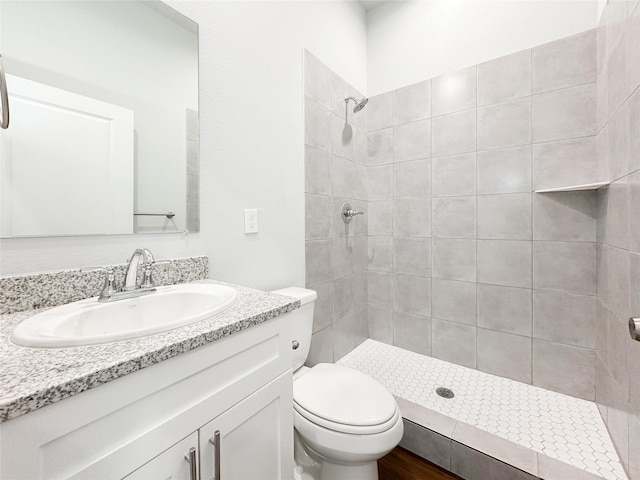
(410, 41)
(251, 132)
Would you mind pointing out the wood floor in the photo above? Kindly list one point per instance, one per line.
(401, 464)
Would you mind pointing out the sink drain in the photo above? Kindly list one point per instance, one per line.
(445, 392)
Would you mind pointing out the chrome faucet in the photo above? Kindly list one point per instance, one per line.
(130, 287)
(131, 277)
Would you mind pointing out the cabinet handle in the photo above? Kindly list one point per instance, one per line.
(215, 441)
(191, 459)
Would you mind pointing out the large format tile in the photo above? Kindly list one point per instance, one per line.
(454, 217)
(427, 444)
(317, 173)
(379, 111)
(380, 290)
(565, 318)
(619, 143)
(473, 465)
(321, 350)
(564, 63)
(454, 259)
(564, 369)
(566, 216)
(341, 137)
(454, 92)
(317, 80)
(380, 182)
(454, 175)
(412, 332)
(412, 179)
(318, 217)
(496, 447)
(412, 103)
(318, 262)
(454, 301)
(412, 256)
(565, 162)
(504, 262)
(380, 254)
(342, 173)
(505, 170)
(506, 217)
(505, 124)
(505, 78)
(454, 133)
(563, 114)
(413, 294)
(412, 217)
(343, 299)
(506, 309)
(380, 323)
(317, 121)
(412, 141)
(453, 342)
(617, 220)
(504, 354)
(565, 267)
(342, 257)
(323, 307)
(380, 217)
(380, 146)
(618, 282)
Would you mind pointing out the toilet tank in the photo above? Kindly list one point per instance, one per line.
(302, 324)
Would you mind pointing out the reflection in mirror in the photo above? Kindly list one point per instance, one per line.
(104, 119)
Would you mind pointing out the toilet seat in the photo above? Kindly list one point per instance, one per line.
(344, 400)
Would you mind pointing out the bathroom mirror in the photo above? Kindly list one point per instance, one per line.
(103, 133)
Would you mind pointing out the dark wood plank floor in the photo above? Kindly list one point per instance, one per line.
(401, 464)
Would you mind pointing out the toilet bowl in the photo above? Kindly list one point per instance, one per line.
(344, 420)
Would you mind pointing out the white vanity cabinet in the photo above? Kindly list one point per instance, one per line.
(142, 425)
(172, 464)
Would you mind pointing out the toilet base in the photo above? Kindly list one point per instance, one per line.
(309, 465)
(330, 471)
(367, 471)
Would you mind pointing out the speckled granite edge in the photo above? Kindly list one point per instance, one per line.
(49, 289)
(34, 378)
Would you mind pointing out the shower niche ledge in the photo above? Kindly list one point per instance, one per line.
(574, 188)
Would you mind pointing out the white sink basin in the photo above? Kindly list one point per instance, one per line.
(88, 322)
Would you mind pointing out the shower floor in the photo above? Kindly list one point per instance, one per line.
(559, 426)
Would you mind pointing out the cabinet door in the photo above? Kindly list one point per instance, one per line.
(172, 464)
(256, 436)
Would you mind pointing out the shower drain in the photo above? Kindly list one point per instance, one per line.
(445, 392)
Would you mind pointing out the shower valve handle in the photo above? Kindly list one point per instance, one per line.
(348, 213)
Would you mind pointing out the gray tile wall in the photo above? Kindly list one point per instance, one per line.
(335, 172)
(618, 232)
(465, 262)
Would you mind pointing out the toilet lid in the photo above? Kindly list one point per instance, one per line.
(341, 395)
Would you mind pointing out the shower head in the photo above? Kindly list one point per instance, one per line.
(359, 103)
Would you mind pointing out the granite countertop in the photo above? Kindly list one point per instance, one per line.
(33, 378)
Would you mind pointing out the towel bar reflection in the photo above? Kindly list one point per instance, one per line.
(168, 214)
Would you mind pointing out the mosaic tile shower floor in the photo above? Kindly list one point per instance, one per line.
(559, 426)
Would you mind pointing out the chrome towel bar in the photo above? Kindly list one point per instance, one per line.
(168, 214)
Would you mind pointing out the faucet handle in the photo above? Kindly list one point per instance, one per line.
(109, 288)
(147, 280)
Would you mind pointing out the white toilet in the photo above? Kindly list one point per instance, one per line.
(344, 420)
